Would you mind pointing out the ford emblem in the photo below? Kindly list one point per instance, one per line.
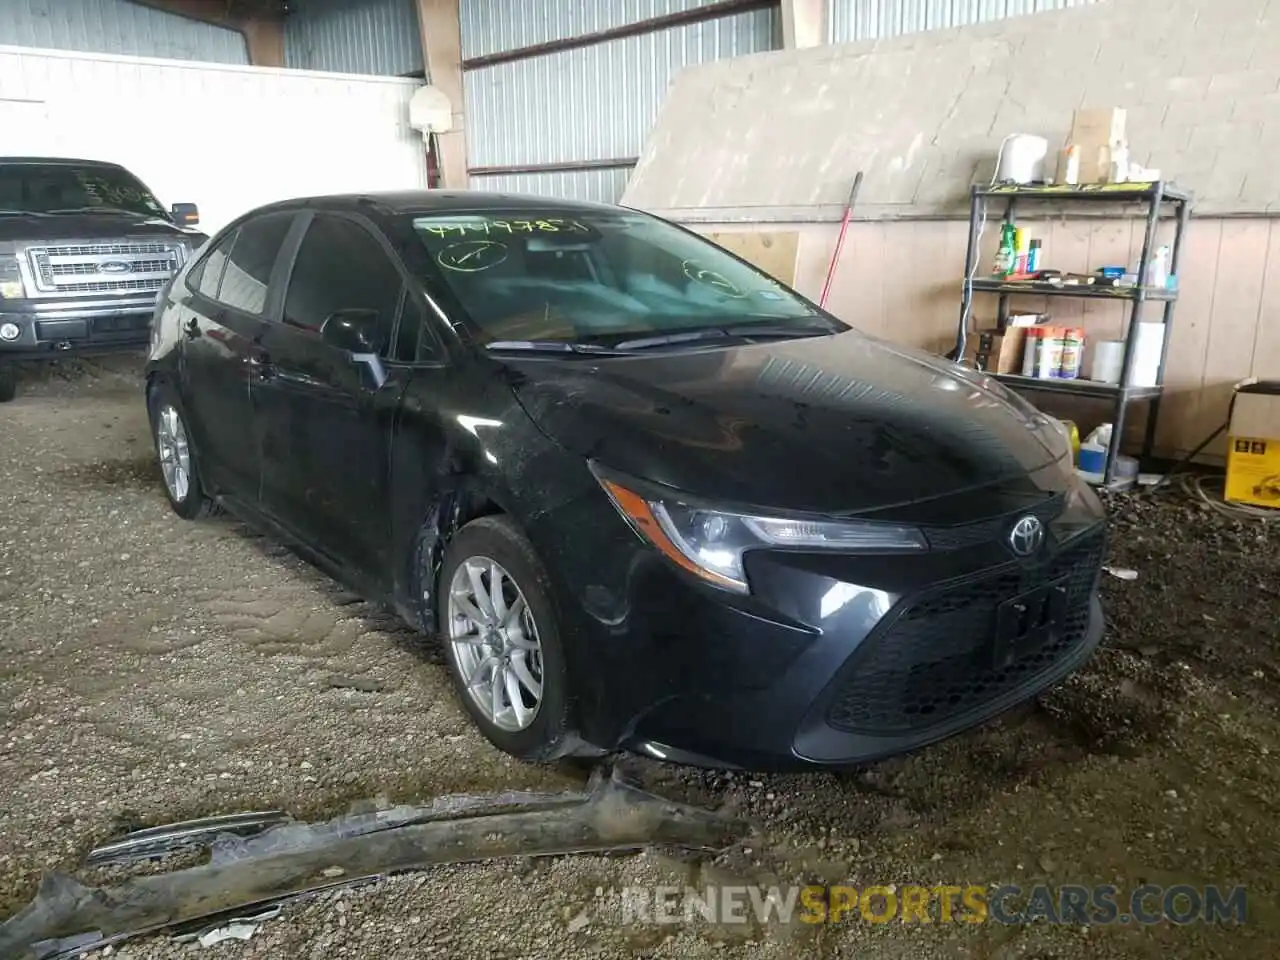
(115, 266)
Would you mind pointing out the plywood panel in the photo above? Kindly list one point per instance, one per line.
(857, 289)
(1066, 248)
(1189, 340)
(1266, 342)
(773, 251)
(1237, 303)
(1111, 244)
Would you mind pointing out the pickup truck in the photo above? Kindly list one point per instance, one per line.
(85, 249)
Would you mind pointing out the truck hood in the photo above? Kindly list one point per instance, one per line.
(90, 226)
(837, 424)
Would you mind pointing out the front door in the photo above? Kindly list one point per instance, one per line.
(222, 315)
(324, 426)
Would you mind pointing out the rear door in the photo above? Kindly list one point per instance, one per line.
(324, 427)
(223, 315)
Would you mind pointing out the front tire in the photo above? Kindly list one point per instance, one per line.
(8, 382)
(501, 635)
(178, 469)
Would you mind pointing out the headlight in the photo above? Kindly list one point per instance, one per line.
(1062, 446)
(1080, 512)
(712, 543)
(11, 287)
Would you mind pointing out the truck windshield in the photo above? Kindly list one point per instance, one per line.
(586, 276)
(66, 187)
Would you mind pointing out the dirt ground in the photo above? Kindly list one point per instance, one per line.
(153, 670)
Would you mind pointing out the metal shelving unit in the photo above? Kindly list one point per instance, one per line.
(1163, 201)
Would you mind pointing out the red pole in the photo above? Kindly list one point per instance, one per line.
(844, 229)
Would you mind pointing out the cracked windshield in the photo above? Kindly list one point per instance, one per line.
(601, 278)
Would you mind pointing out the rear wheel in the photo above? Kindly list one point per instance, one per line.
(8, 382)
(501, 634)
(177, 462)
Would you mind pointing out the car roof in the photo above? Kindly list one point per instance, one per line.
(396, 203)
(59, 161)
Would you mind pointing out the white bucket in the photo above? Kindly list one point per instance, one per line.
(1021, 159)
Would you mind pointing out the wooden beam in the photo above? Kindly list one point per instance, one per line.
(441, 28)
(265, 41)
(263, 36)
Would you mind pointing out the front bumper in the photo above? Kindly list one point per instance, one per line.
(76, 326)
(833, 661)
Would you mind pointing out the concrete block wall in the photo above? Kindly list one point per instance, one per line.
(782, 134)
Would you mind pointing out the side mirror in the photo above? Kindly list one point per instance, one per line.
(356, 332)
(185, 214)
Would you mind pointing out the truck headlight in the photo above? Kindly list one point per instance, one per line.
(712, 543)
(11, 286)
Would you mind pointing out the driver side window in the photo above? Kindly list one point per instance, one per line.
(340, 266)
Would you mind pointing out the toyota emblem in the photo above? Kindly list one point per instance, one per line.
(1026, 536)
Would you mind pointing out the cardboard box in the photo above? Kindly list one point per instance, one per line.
(1094, 131)
(997, 351)
(1098, 125)
(1253, 446)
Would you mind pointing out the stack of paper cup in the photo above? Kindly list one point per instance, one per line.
(1108, 359)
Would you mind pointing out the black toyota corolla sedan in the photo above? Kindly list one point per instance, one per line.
(647, 497)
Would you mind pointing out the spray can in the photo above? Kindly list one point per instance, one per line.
(1031, 351)
(1033, 257)
(1021, 247)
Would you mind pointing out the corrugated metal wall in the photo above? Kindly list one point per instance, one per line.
(365, 36)
(591, 103)
(491, 26)
(853, 20)
(119, 27)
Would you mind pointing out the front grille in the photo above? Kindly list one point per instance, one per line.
(103, 267)
(990, 530)
(935, 661)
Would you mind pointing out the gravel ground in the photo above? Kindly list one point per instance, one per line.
(153, 670)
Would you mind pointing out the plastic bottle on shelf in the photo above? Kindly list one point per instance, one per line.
(1158, 269)
(1033, 257)
(1031, 351)
(1071, 165)
(1006, 253)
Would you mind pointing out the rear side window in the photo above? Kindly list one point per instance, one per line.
(341, 266)
(208, 274)
(248, 270)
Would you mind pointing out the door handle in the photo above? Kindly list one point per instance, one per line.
(261, 365)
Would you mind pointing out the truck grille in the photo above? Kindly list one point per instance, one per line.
(103, 267)
(934, 662)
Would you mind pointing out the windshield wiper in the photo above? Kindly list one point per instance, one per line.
(739, 331)
(24, 213)
(551, 346)
(103, 209)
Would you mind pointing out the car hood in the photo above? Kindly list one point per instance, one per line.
(834, 424)
(90, 226)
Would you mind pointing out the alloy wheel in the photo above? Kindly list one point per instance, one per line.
(175, 452)
(495, 643)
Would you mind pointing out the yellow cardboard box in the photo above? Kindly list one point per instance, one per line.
(1253, 446)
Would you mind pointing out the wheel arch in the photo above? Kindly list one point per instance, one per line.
(466, 498)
